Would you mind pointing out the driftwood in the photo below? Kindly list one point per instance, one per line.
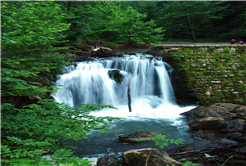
(129, 96)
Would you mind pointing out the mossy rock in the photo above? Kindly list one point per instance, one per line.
(136, 158)
(115, 75)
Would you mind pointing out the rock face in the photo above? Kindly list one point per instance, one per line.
(141, 134)
(224, 127)
(138, 157)
(225, 119)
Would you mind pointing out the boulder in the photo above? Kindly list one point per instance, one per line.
(222, 117)
(141, 134)
(137, 157)
(224, 127)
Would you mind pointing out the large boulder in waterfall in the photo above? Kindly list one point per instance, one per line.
(129, 138)
(101, 52)
(137, 157)
(115, 75)
(225, 119)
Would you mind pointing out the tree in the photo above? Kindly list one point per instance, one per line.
(110, 21)
(37, 26)
(132, 29)
(190, 15)
(233, 21)
(31, 123)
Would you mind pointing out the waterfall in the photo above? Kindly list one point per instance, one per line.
(89, 82)
(106, 82)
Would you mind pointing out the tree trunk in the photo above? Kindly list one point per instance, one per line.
(193, 35)
(2, 23)
(192, 30)
(76, 3)
(68, 7)
(129, 97)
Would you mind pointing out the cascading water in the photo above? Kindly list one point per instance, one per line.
(154, 108)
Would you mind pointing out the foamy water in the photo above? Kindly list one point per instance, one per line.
(153, 103)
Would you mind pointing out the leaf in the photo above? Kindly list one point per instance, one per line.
(50, 139)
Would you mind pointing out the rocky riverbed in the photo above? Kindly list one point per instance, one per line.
(220, 130)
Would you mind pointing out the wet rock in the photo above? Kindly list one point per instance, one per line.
(228, 120)
(241, 149)
(209, 123)
(206, 134)
(235, 125)
(130, 53)
(223, 125)
(227, 142)
(141, 134)
(103, 161)
(138, 157)
(115, 75)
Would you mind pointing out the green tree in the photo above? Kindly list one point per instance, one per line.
(37, 26)
(110, 21)
(190, 16)
(232, 24)
(31, 123)
(132, 29)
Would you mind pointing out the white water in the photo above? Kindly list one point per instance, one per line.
(154, 108)
(151, 90)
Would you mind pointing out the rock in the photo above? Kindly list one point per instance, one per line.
(209, 123)
(106, 161)
(102, 52)
(225, 118)
(227, 142)
(142, 134)
(130, 53)
(223, 124)
(206, 134)
(138, 157)
(116, 75)
(235, 125)
(102, 161)
(241, 149)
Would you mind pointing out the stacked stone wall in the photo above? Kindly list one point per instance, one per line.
(213, 73)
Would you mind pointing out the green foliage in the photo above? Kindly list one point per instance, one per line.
(34, 129)
(33, 26)
(133, 30)
(31, 123)
(189, 16)
(111, 21)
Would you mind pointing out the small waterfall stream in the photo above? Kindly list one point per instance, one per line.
(154, 108)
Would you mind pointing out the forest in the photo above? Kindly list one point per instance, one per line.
(32, 33)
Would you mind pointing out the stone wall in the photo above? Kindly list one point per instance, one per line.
(214, 73)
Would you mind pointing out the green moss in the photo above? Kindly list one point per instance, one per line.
(240, 50)
(151, 157)
(158, 48)
(226, 49)
(220, 66)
